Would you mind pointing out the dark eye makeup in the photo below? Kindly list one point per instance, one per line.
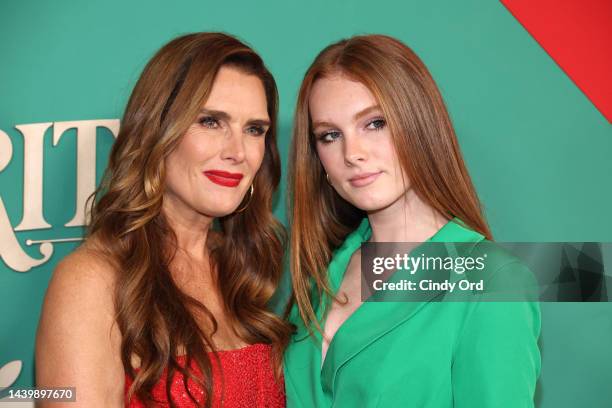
(330, 136)
(209, 121)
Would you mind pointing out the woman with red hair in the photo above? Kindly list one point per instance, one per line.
(375, 159)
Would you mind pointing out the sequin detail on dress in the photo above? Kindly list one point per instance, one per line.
(248, 376)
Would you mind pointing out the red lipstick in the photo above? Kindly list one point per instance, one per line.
(224, 178)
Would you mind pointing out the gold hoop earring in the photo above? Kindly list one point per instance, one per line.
(327, 177)
(252, 189)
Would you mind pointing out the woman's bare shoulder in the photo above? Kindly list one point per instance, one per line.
(82, 287)
(87, 265)
(78, 341)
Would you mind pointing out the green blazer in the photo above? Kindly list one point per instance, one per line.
(420, 354)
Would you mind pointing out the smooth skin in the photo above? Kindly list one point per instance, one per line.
(353, 140)
(78, 342)
(403, 354)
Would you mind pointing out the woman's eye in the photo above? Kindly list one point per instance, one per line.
(209, 122)
(376, 124)
(328, 137)
(256, 130)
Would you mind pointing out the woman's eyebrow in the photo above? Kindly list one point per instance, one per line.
(216, 113)
(227, 117)
(259, 122)
(322, 123)
(366, 111)
(357, 116)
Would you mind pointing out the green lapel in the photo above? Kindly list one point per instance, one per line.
(337, 266)
(372, 319)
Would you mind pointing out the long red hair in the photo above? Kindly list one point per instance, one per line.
(424, 140)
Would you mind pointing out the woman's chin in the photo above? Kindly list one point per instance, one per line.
(371, 204)
(218, 211)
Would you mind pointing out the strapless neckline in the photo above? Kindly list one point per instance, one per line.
(248, 381)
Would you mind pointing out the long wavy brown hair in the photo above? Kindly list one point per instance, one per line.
(423, 138)
(154, 316)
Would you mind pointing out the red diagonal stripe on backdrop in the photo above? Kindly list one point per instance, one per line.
(577, 34)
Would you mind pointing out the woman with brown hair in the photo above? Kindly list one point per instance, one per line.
(375, 159)
(158, 307)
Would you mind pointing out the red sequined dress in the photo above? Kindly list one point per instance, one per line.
(248, 380)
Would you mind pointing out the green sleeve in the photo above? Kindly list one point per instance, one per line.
(496, 362)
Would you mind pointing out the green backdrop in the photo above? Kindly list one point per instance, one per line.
(537, 149)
